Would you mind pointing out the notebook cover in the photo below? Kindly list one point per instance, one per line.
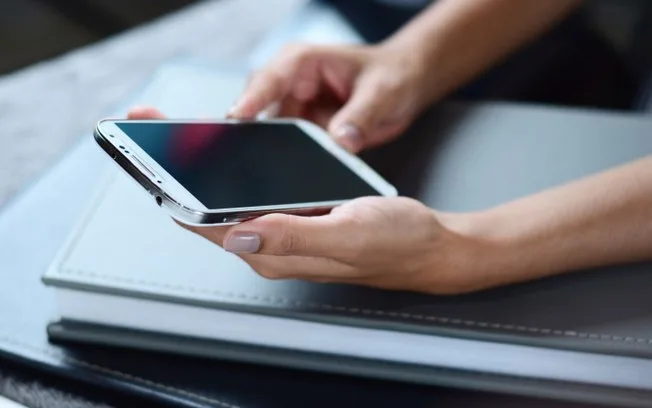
(456, 158)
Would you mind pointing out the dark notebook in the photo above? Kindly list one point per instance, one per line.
(129, 277)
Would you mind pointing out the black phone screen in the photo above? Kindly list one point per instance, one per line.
(247, 164)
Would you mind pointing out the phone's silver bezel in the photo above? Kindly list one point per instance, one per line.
(183, 206)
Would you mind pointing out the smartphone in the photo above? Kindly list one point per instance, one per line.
(223, 172)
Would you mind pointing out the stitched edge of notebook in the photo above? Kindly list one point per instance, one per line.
(116, 373)
(365, 311)
(58, 268)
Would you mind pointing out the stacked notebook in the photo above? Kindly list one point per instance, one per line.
(128, 276)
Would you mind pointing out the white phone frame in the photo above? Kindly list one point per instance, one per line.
(186, 208)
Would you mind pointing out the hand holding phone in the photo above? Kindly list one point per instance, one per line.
(223, 172)
(362, 241)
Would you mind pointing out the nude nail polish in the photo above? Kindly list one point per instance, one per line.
(242, 242)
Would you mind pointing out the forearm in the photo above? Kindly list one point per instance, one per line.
(600, 220)
(455, 40)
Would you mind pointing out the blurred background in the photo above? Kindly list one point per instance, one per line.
(71, 61)
(34, 30)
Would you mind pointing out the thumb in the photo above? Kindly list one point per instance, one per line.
(355, 123)
(284, 235)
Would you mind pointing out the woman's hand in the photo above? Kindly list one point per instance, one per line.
(363, 95)
(390, 243)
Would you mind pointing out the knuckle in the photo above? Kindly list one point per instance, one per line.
(297, 54)
(271, 82)
(288, 241)
(384, 85)
(388, 85)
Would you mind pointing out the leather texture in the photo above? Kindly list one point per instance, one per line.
(456, 158)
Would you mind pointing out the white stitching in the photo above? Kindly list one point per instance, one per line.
(116, 373)
(357, 311)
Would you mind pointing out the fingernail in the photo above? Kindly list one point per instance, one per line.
(348, 136)
(243, 242)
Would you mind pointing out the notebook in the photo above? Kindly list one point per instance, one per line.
(128, 276)
(33, 228)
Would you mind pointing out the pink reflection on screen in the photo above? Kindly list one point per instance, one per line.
(188, 141)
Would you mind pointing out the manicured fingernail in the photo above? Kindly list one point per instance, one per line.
(242, 242)
(348, 136)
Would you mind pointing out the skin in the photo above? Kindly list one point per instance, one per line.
(368, 95)
(398, 243)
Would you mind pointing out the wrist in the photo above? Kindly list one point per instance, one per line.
(483, 251)
(419, 58)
